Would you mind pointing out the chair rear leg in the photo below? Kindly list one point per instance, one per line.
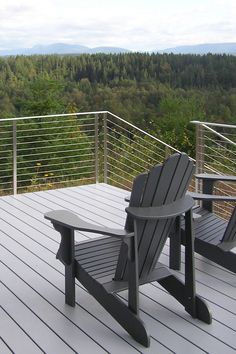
(195, 306)
(186, 293)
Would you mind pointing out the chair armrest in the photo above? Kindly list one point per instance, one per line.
(212, 197)
(215, 177)
(208, 181)
(69, 220)
(162, 212)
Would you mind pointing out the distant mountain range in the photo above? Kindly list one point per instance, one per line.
(63, 49)
(214, 48)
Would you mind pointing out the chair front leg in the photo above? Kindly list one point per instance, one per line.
(66, 255)
(70, 284)
(175, 246)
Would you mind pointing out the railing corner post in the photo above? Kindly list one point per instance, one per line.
(105, 146)
(199, 154)
(96, 149)
(14, 156)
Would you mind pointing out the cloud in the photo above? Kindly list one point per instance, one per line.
(137, 25)
(11, 13)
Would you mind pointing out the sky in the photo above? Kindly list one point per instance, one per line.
(146, 25)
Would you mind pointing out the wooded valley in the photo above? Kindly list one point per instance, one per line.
(160, 93)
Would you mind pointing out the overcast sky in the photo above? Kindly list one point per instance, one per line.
(142, 25)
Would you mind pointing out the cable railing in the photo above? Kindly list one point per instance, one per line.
(216, 153)
(129, 151)
(54, 151)
(43, 152)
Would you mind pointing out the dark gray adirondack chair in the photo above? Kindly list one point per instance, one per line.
(214, 237)
(129, 257)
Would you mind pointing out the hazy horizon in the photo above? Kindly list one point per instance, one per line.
(98, 46)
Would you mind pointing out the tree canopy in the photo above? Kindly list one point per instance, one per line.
(161, 93)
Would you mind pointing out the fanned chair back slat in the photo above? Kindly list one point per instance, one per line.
(135, 200)
(164, 184)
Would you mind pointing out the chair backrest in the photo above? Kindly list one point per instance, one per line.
(229, 238)
(162, 185)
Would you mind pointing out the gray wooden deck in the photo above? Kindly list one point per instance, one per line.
(34, 318)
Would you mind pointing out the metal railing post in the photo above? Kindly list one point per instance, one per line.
(199, 154)
(167, 152)
(14, 156)
(96, 150)
(105, 146)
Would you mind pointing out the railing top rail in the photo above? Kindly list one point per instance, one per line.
(52, 116)
(142, 131)
(213, 124)
(218, 134)
(90, 113)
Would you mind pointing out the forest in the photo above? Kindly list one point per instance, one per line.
(160, 93)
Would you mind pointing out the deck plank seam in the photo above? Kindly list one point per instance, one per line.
(171, 329)
(6, 344)
(35, 218)
(58, 243)
(79, 214)
(182, 252)
(13, 215)
(208, 274)
(87, 210)
(89, 190)
(165, 346)
(46, 222)
(35, 314)
(86, 236)
(79, 286)
(32, 239)
(77, 303)
(189, 321)
(59, 191)
(205, 298)
(23, 280)
(22, 329)
(91, 198)
(43, 242)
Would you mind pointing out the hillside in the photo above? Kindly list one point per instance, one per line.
(213, 48)
(62, 48)
(159, 93)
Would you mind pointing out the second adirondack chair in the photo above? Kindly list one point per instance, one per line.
(214, 237)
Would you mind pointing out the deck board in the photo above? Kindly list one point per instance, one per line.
(32, 286)
(4, 348)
